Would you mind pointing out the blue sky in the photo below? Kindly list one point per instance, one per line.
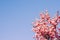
(16, 17)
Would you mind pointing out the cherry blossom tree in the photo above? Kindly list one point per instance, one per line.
(45, 27)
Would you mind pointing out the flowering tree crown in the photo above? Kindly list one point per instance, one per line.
(46, 28)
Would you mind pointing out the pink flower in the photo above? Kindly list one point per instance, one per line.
(44, 31)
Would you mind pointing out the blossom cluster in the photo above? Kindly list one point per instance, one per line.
(46, 27)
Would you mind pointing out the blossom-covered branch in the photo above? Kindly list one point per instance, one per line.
(46, 27)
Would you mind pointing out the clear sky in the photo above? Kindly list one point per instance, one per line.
(16, 17)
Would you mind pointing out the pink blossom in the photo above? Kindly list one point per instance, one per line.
(43, 31)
